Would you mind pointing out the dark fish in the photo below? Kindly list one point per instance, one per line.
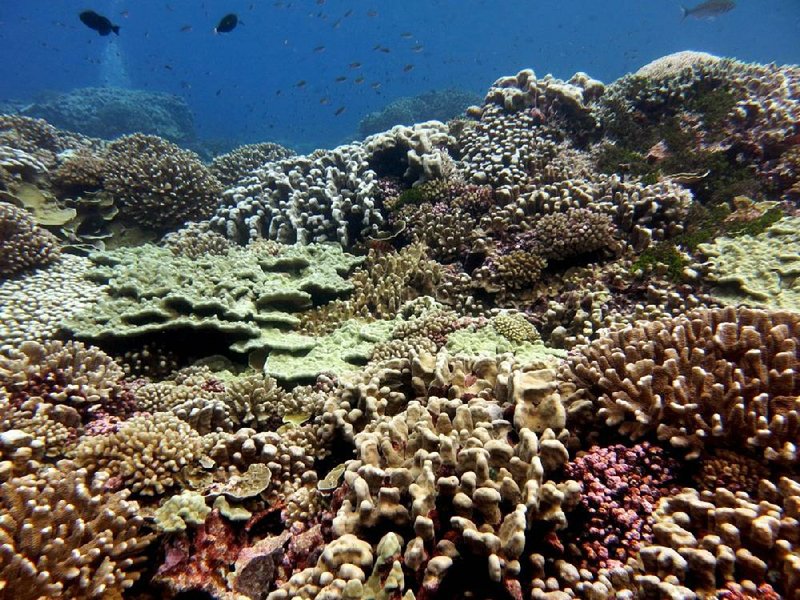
(319, 49)
(339, 111)
(219, 91)
(385, 50)
(347, 14)
(340, 79)
(227, 24)
(358, 80)
(372, 13)
(709, 9)
(355, 65)
(406, 35)
(324, 101)
(186, 28)
(98, 22)
(300, 84)
(407, 68)
(124, 14)
(320, 2)
(418, 48)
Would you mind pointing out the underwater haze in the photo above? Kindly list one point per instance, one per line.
(247, 85)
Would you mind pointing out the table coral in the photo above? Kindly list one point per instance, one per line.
(248, 294)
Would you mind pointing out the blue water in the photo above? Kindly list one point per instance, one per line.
(243, 85)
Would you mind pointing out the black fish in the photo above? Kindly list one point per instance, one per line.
(227, 24)
(98, 22)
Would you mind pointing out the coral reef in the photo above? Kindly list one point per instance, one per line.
(109, 112)
(548, 351)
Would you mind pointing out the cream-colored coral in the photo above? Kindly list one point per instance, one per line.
(717, 377)
(146, 453)
(62, 537)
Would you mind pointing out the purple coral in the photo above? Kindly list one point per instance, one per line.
(621, 487)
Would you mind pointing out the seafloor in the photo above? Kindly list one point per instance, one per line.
(548, 350)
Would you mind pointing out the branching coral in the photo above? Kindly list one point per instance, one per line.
(232, 167)
(23, 244)
(62, 536)
(718, 377)
(157, 184)
(146, 454)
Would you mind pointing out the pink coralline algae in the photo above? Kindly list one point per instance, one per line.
(621, 487)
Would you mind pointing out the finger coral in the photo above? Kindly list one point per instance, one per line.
(720, 377)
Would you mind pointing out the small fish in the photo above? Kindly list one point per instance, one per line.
(407, 68)
(319, 49)
(320, 2)
(227, 24)
(186, 28)
(347, 14)
(406, 35)
(417, 48)
(340, 79)
(708, 9)
(219, 91)
(376, 86)
(339, 111)
(168, 67)
(324, 101)
(372, 13)
(355, 65)
(98, 23)
(385, 50)
(125, 14)
(358, 80)
(300, 84)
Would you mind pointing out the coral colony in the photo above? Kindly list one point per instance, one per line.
(547, 350)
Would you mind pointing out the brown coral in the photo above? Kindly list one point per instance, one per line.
(233, 166)
(146, 454)
(157, 184)
(23, 244)
(63, 537)
(718, 377)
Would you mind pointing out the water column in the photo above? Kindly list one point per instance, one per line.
(113, 72)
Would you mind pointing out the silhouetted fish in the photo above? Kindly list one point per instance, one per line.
(227, 24)
(186, 28)
(407, 68)
(98, 22)
(709, 9)
(339, 111)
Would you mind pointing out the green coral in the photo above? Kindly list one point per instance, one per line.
(342, 351)
(187, 508)
(248, 295)
(761, 270)
(487, 341)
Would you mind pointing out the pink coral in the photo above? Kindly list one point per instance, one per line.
(621, 487)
